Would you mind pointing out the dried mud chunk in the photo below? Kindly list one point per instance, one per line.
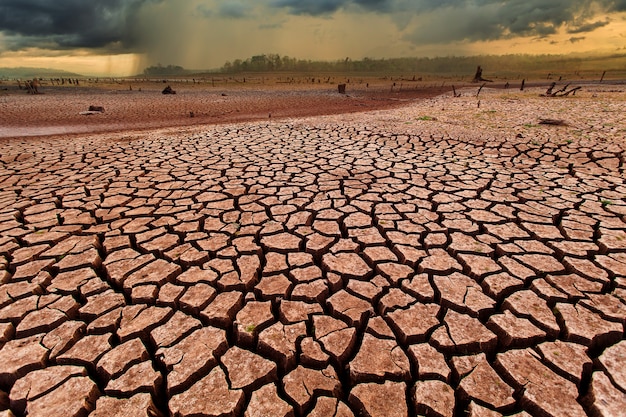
(603, 398)
(140, 405)
(273, 287)
(380, 400)
(463, 334)
(40, 321)
(87, 351)
(419, 287)
(542, 391)
(608, 306)
(191, 357)
(483, 384)
(330, 407)
(569, 359)
(141, 324)
(251, 319)
(138, 378)
(377, 327)
(302, 385)
(196, 298)
(379, 359)
(347, 264)
(265, 402)
(573, 285)
(177, 327)
(295, 311)
(439, 262)
(463, 294)
(7, 331)
(195, 275)
(21, 356)
(222, 310)
(430, 363)
(410, 330)
(479, 265)
(169, 294)
(279, 342)
(500, 285)
(312, 354)
(210, 396)
(395, 272)
(513, 331)
(69, 283)
(433, 398)
(64, 336)
(393, 300)
(335, 336)
(586, 327)
(612, 360)
(282, 242)
(100, 304)
(247, 370)
(350, 308)
(528, 305)
(157, 272)
(541, 263)
(107, 323)
(40, 382)
(315, 291)
(476, 410)
(74, 398)
(120, 358)
(364, 289)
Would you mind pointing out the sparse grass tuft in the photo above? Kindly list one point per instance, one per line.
(605, 202)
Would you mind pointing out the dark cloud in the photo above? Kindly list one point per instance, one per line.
(128, 25)
(310, 7)
(70, 24)
(471, 19)
(588, 27)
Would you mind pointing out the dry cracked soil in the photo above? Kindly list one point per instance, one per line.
(311, 269)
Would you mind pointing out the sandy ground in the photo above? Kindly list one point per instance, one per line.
(451, 256)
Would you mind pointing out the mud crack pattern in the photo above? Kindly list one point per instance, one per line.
(312, 270)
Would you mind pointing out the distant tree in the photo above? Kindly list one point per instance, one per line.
(158, 70)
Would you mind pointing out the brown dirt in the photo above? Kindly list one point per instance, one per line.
(57, 111)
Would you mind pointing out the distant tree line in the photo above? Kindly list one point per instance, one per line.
(158, 70)
(503, 64)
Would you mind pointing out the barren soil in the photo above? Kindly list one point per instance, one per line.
(448, 257)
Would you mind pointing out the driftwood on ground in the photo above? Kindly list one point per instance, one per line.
(553, 122)
(478, 77)
(563, 92)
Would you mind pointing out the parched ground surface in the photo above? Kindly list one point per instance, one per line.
(442, 259)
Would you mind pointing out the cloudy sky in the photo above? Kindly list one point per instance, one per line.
(121, 37)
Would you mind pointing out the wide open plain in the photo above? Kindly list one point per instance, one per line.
(426, 255)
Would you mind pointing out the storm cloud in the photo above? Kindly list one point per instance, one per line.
(146, 25)
(68, 24)
(457, 20)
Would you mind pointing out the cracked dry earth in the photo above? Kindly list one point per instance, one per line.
(312, 269)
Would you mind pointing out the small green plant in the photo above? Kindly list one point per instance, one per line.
(250, 328)
(569, 141)
(426, 118)
(605, 202)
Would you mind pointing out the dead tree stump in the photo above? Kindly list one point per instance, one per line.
(478, 77)
(341, 88)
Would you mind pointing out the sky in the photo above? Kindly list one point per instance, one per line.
(121, 37)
